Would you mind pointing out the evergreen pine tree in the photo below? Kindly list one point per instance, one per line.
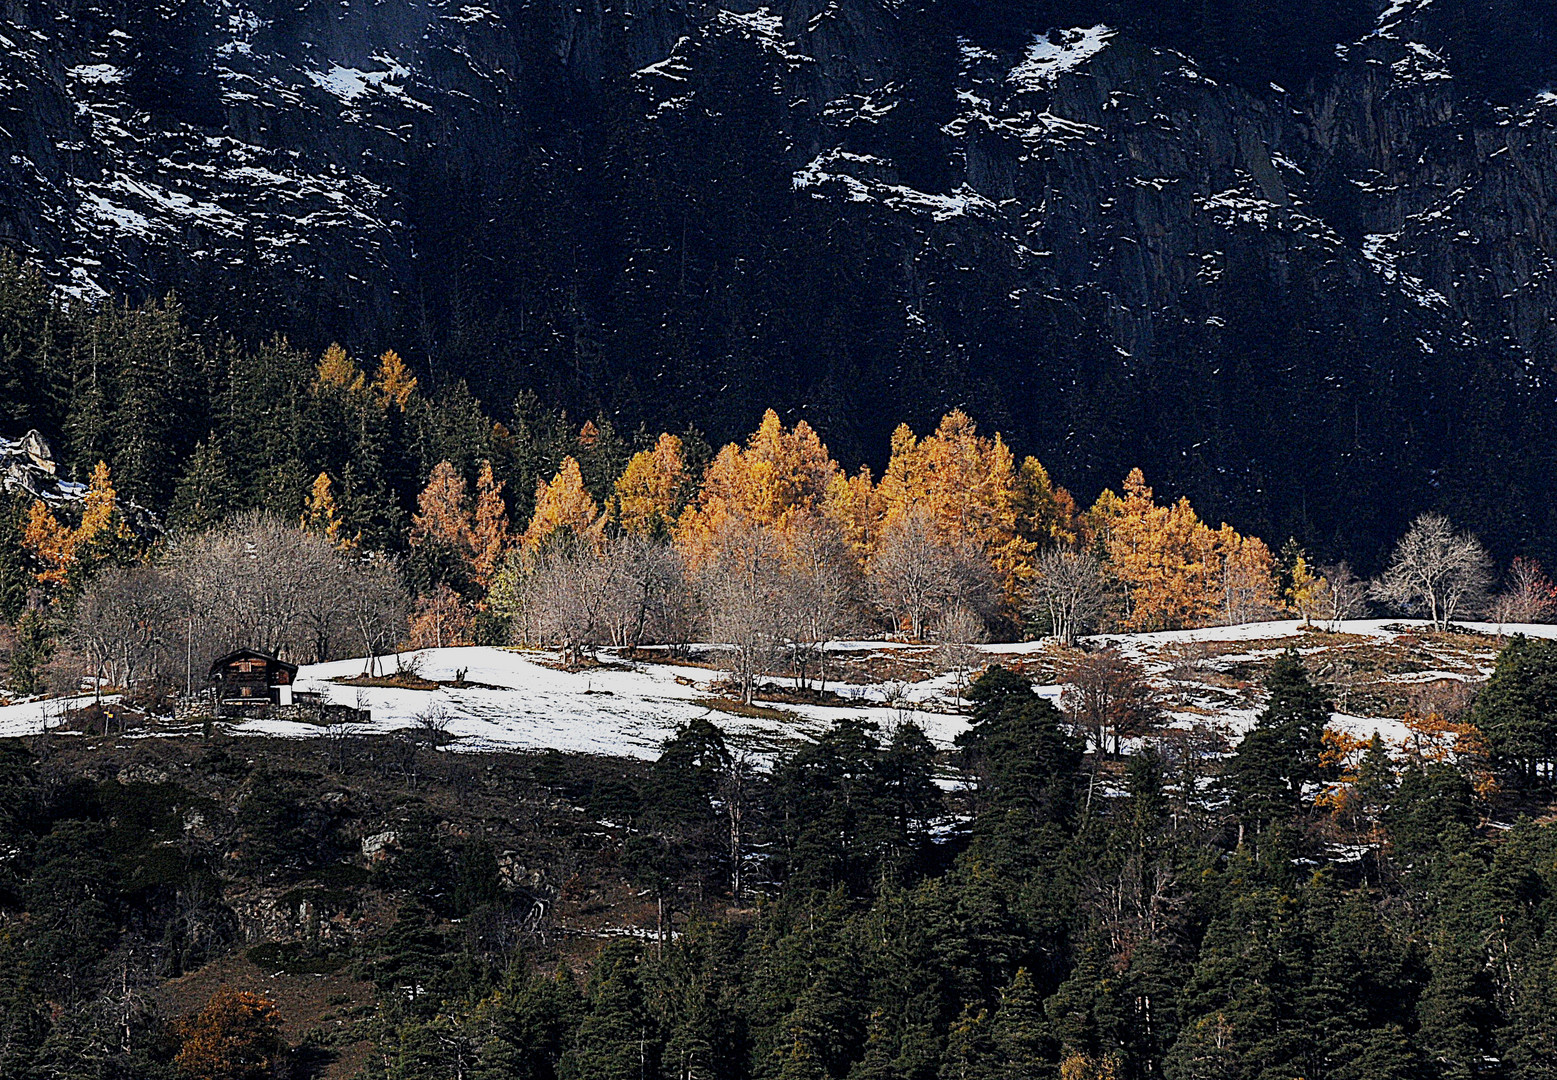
(1517, 710)
(1020, 1035)
(528, 1026)
(16, 578)
(616, 1039)
(1017, 748)
(1281, 754)
(205, 494)
(30, 651)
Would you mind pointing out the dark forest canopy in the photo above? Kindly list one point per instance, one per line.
(1304, 906)
(195, 425)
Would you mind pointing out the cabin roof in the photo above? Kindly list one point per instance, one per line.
(246, 654)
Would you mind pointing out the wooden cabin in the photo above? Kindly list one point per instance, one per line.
(250, 679)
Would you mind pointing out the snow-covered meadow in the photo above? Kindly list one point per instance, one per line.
(524, 700)
(505, 699)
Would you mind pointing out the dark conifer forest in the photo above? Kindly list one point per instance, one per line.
(1054, 913)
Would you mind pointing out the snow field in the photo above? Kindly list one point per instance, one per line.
(518, 700)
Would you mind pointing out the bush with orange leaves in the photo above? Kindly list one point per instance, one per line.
(1435, 738)
(235, 1036)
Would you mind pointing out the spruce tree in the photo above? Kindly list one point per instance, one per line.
(1517, 710)
(1018, 750)
(205, 493)
(616, 1039)
(34, 642)
(1281, 754)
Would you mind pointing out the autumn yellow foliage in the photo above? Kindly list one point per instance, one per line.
(653, 488)
(1175, 570)
(776, 477)
(321, 514)
(393, 383)
(337, 371)
(59, 549)
(443, 511)
(1172, 569)
(967, 483)
(235, 1036)
(563, 505)
(489, 531)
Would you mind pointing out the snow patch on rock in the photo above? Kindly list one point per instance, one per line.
(97, 74)
(1048, 57)
(352, 84)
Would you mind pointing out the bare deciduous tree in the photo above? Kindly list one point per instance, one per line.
(373, 606)
(1069, 594)
(742, 585)
(261, 583)
(1345, 595)
(575, 591)
(126, 628)
(819, 598)
(654, 603)
(1528, 595)
(916, 574)
(579, 592)
(960, 630)
(1109, 698)
(1436, 571)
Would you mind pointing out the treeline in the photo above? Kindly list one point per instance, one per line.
(545, 531)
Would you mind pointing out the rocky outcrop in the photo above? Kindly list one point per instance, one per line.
(27, 467)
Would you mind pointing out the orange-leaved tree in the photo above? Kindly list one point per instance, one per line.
(854, 502)
(778, 475)
(393, 383)
(1175, 570)
(440, 619)
(968, 485)
(443, 553)
(236, 1035)
(563, 507)
(489, 529)
(442, 515)
(51, 543)
(322, 514)
(653, 489)
(63, 555)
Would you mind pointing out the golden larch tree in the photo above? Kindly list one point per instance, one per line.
(653, 488)
(322, 514)
(393, 383)
(777, 476)
(51, 544)
(563, 504)
(443, 512)
(967, 483)
(854, 503)
(58, 549)
(1308, 590)
(489, 534)
(337, 371)
(1158, 555)
(1176, 571)
(236, 1035)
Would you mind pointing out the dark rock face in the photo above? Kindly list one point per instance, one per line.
(1315, 308)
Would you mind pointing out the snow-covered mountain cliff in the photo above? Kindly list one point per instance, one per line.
(860, 210)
